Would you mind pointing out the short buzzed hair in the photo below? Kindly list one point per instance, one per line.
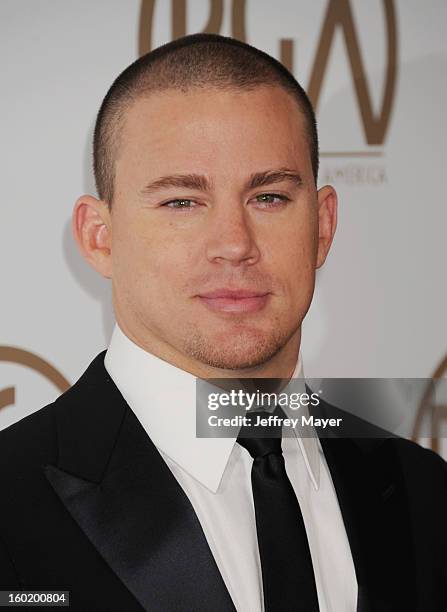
(195, 61)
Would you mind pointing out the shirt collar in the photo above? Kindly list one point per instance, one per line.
(163, 398)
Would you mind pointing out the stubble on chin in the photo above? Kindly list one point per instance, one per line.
(238, 350)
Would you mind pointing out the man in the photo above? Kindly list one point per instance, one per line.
(211, 228)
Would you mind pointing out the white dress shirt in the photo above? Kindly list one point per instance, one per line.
(215, 475)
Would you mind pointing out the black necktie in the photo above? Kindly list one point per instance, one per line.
(287, 573)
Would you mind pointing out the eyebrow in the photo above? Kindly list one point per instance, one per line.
(202, 183)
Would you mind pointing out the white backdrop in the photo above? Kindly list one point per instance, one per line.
(381, 300)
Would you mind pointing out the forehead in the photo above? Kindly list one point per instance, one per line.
(212, 130)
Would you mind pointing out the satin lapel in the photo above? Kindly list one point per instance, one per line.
(373, 502)
(121, 493)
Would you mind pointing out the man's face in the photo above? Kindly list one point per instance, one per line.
(175, 244)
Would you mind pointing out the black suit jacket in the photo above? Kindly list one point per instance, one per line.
(88, 505)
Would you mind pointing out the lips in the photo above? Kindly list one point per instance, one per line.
(232, 294)
(234, 300)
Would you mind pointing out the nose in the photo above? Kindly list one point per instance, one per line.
(231, 237)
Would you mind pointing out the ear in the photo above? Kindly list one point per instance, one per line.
(91, 226)
(327, 221)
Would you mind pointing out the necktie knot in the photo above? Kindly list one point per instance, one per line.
(260, 440)
(261, 447)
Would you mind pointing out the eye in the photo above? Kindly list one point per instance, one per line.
(268, 199)
(179, 204)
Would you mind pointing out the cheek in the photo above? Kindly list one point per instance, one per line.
(134, 265)
(294, 265)
(151, 264)
(296, 254)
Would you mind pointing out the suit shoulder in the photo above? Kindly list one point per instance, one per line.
(409, 448)
(30, 440)
(418, 460)
(35, 436)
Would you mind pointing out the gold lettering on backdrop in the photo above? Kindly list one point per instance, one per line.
(338, 15)
(238, 20)
(12, 354)
(7, 397)
(431, 409)
(286, 49)
(179, 18)
(145, 26)
(178, 21)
